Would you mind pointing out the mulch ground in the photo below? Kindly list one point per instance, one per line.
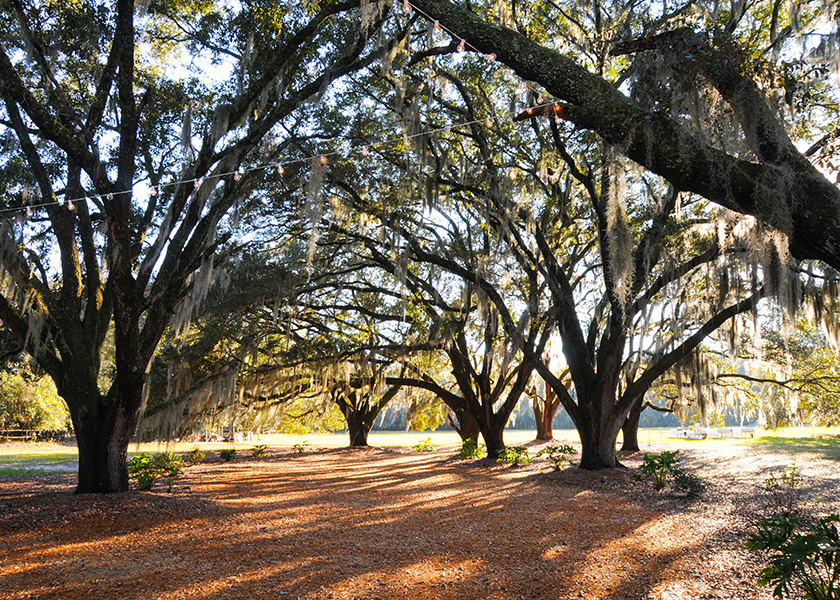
(394, 524)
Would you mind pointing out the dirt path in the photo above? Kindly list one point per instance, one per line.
(396, 524)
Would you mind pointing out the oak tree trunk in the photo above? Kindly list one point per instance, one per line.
(493, 435)
(359, 420)
(630, 430)
(544, 411)
(598, 432)
(466, 426)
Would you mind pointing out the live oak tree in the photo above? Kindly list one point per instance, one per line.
(124, 127)
(496, 213)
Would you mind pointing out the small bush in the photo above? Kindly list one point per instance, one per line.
(785, 491)
(424, 445)
(300, 448)
(805, 559)
(659, 466)
(227, 454)
(194, 457)
(260, 451)
(514, 456)
(146, 469)
(470, 449)
(688, 484)
(558, 455)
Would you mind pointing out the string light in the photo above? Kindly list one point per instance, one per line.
(280, 169)
(28, 212)
(365, 151)
(462, 46)
(154, 191)
(70, 205)
(437, 27)
(197, 184)
(491, 56)
(237, 176)
(407, 7)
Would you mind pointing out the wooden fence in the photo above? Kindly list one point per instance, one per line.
(31, 435)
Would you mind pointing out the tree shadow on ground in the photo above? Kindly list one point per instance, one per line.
(370, 524)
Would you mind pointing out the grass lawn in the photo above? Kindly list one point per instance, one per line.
(25, 458)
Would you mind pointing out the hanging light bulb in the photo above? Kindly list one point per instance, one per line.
(508, 75)
(237, 176)
(489, 122)
(197, 184)
(110, 196)
(28, 212)
(557, 119)
(492, 56)
(407, 7)
(280, 169)
(154, 191)
(540, 99)
(525, 87)
(437, 27)
(70, 205)
(530, 111)
(365, 151)
(461, 46)
(322, 160)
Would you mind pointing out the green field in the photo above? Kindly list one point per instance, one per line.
(26, 458)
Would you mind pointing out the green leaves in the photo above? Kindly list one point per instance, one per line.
(805, 556)
(514, 456)
(558, 455)
(145, 469)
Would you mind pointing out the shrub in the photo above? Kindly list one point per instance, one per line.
(514, 456)
(660, 467)
(424, 445)
(260, 451)
(146, 469)
(805, 560)
(688, 484)
(194, 457)
(785, 491)
(300, 448)
(470, 449)
(227, 454)
(558, 455)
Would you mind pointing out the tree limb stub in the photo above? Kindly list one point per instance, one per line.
(789, 196)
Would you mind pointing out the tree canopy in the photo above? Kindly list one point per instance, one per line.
(413, 184)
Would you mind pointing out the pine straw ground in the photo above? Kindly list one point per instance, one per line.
(397, 524)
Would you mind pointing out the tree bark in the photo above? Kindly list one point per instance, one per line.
(466, 427)
(598, 438)
(543, 417)
(630, 429)
(359, 430)
(103, 432)
(493, 435)
(359, 417)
